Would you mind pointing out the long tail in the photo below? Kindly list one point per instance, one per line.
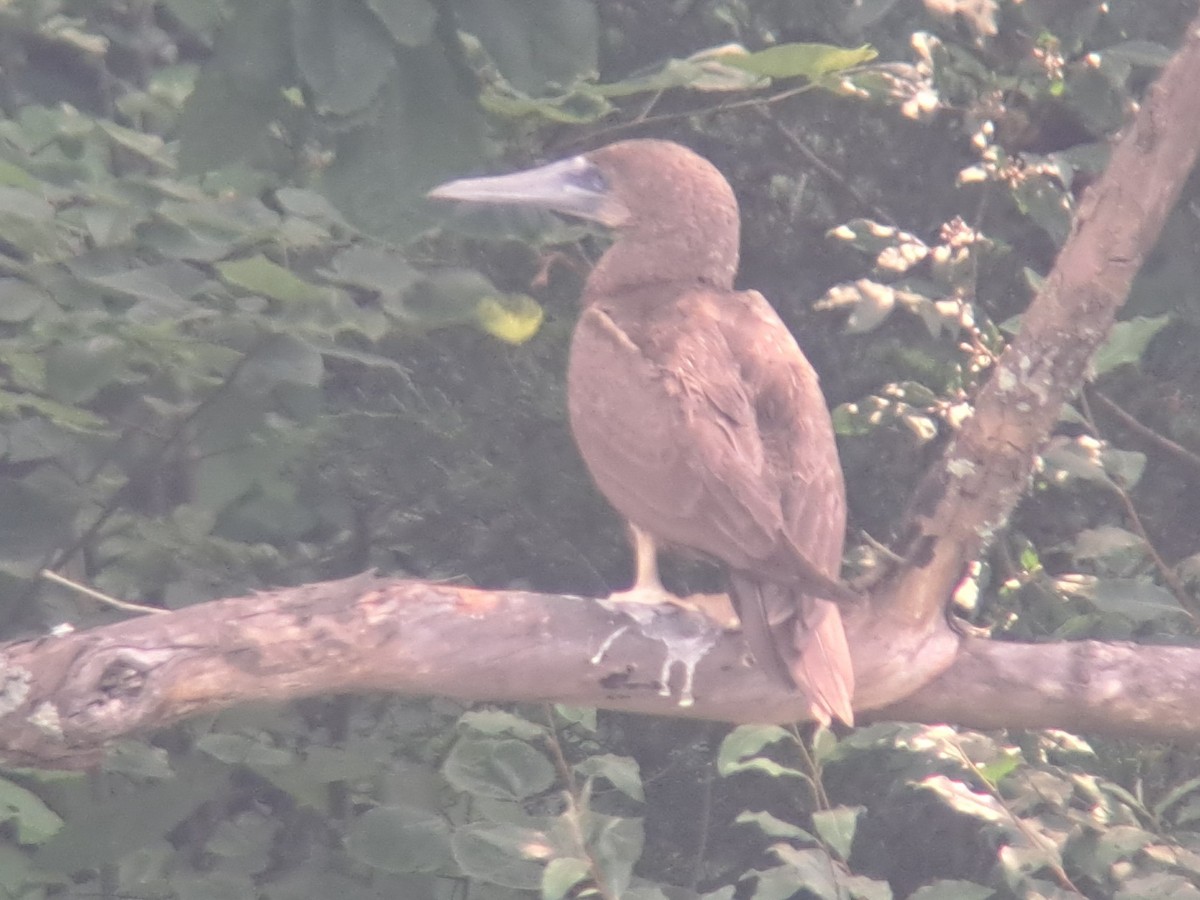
(800, 641)
(822, 662)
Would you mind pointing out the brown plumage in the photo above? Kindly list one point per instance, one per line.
(696, 412)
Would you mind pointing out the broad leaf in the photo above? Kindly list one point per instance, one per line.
(400, 838)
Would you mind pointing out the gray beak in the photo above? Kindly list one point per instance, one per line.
(574, 187)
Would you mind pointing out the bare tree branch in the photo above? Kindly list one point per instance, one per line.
(64, 698)
(1081, 686)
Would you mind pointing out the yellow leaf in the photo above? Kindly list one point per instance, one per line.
(513, 319)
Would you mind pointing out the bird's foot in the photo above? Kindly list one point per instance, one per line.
(651, 594)
(717, 608)
(686, 630)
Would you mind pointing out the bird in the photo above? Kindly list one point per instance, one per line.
(698, 416)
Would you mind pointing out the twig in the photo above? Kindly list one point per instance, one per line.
(814, 769)
(824, 168)
(572, 813)
(96, 595)
(1035, 839)
(1174, 585)
(1183, 454)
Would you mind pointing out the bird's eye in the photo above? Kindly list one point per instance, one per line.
(589, 178)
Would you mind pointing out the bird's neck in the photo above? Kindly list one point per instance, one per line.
(636, 260)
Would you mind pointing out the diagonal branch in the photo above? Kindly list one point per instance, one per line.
(961, 503)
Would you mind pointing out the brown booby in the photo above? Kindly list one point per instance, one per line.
(695, 410)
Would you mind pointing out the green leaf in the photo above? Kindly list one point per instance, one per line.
(20, 300)
(12, 175)
(168, 285)
(149, 147)
(259, 275)
(773, 827)
(111, 828)
(239, 92)
(341, 53)
(615, 842)
(1133, 598)
(239, 750)
(536, 46)
(27, 222)
(400, 838)
(1138, 53)
(961, 798)
(1063, 462)
(801, 866)
(502, 769)
(1127, 342)
(811, 61)
(622, 771)
(78, 370)
(374, 268)
(447, 297)
(747, 741)
(583, 716)
(951, 889)
(1124, 467)
(16, 872)
(138, 760)
(279, 360)
(1110, 544)
(561, 875)
(996, 769)
(37, 519)
(507, 855)
(579, 106)
(704, 71)
(1173, 796)
(210, 230)
(836, 828)
(1047, 203)
(422, 130)
(35, 822)
(498, 721)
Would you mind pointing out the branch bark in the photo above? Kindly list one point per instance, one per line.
(1132, 690)
(63, 698)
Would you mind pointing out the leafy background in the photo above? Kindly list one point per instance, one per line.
(237, 351)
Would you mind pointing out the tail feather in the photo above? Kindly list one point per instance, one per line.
(822, 663)
(758, 628)
(809, 654)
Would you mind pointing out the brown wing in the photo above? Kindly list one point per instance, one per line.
(693, 415)
(702, 422)
(801, 453)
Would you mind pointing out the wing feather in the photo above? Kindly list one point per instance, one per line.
(702, 422)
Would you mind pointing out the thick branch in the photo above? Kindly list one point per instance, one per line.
(985, 471)
(1080, 686)
(64, 698)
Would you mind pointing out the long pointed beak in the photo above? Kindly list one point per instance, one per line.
(575, 187)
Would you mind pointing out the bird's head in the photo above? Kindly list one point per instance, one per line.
(674, 212)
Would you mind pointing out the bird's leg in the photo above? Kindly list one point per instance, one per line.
(647, 588)
(686, 632)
